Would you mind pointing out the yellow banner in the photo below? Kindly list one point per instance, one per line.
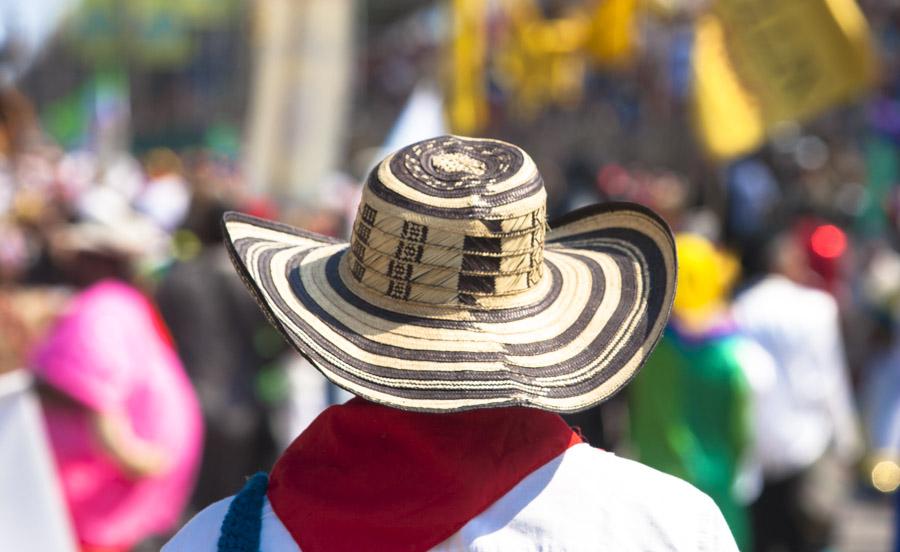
(612, 40)
(468, 109)
(759, 63)
(727, 118)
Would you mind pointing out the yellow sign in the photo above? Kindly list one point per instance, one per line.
(759, 63)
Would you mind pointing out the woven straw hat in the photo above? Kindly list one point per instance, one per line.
(453, 294)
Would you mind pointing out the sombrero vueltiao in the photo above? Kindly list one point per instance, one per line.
(453, 294)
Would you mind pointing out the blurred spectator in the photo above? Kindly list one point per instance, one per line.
(122, 418)
(883, 415)
(882, 399)
(881, 393)
(34, 513)
(807, 433)
(18, 123)
(167, 197)
(225, 342)
(691, 403)
(752, 194)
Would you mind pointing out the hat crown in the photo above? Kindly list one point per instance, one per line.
(450, 221)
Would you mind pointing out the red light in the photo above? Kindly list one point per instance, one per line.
(828, 241)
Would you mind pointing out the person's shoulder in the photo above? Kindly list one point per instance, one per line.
(100, 308)
(766, 286)
(110, 291)
(649, 509)
(636, 484)
(201, 533)
(588, 495)
(821, 300)
(756, 363)
(776, 297)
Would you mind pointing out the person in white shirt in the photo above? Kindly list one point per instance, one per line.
(464, 328)
(807, 434)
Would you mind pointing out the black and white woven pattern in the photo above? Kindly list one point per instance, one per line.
(452, 294)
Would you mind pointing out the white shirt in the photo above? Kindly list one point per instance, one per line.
(810, 405)
(583, 500)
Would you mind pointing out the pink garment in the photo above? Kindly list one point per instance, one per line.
(110, 352)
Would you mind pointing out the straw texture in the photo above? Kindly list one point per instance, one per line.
(452, 294)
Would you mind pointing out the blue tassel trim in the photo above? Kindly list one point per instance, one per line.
(243, 523)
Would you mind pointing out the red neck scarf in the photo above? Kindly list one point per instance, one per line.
(369, 477)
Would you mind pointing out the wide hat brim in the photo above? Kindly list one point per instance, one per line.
(604, 300)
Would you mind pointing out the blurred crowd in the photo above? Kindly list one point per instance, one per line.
(775, 390)
(161, 382)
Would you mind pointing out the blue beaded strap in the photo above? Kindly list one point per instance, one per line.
(243, 523)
